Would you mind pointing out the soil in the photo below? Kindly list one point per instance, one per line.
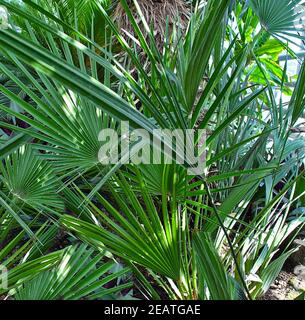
(291, 281)
(281, 288)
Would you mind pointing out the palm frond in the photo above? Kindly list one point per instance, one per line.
(284, 20)
(29, 179)
(78, 275)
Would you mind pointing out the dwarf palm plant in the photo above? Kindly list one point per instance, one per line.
(211, 236)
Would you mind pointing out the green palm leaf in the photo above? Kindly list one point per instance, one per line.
(212, 271)
(79, 275)
(29, 179)
(283, 19)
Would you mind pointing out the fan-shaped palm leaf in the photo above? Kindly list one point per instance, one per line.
(79, 275)
(30, 179)
(283, 19)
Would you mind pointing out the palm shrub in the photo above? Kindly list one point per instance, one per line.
(215, 236)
